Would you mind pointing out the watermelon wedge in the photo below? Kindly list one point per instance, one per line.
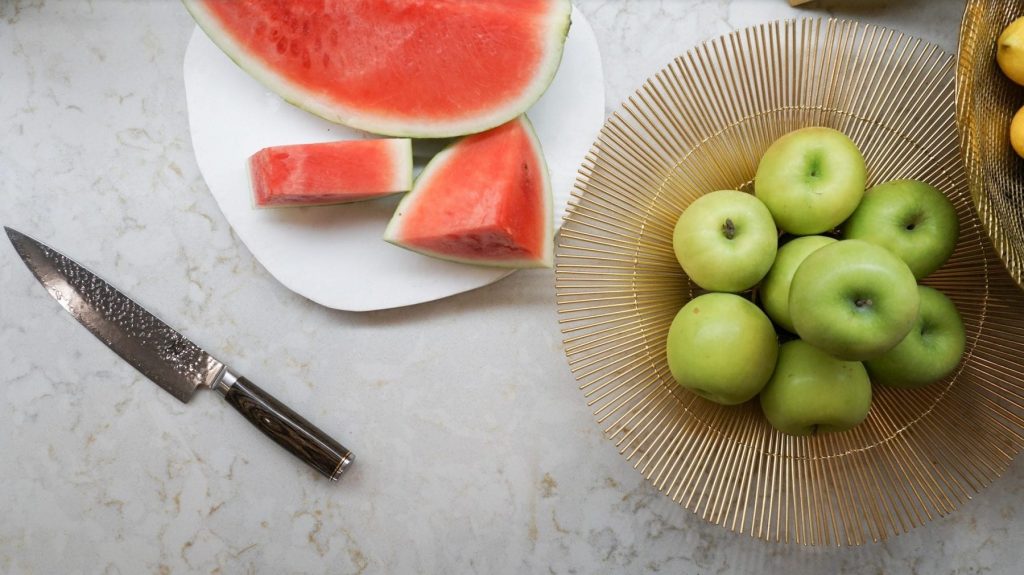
(330, 172)
(414, 68)
(484, 200)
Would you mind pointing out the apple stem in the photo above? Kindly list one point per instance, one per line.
(729, 229)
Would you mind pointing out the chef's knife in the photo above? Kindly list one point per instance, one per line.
(168, 358)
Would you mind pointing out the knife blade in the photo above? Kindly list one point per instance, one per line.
(168, 358)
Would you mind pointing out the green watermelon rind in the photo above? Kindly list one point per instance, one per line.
(404, 142)
(560, 21)
(391, 233)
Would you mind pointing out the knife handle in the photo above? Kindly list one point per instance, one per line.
(289, 429)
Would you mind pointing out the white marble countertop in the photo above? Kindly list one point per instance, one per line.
(476, 450)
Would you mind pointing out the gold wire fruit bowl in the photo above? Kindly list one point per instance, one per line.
(986, 102)
(701, 124)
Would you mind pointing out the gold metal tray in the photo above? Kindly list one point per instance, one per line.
(986, 101)
(701, 124)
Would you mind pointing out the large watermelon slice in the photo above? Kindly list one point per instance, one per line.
(486, 200)
(416, 68)
(330, 172)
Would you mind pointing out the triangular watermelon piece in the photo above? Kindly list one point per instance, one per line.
(417, 68)
(484, 200)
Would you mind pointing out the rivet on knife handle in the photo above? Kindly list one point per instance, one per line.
(289, 429)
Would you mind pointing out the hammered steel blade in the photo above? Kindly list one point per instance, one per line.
(148, 344)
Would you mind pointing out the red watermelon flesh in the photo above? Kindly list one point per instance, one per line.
(419, 68)
(484, 200)
(330, 172)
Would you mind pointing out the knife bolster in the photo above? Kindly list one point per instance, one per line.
(225, 382)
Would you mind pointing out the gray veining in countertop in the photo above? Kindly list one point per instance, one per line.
(476, 452)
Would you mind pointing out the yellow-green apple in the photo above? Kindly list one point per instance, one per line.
(775, 286)
(811, 180)
(911, 219)
(812, 392)
(722, 347)
(931, 350)
(853, 299)
(725, 241)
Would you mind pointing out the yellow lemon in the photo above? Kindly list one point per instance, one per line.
(1017, 132)
(1010, 51)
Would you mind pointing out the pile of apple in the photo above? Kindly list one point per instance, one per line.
(838, 285)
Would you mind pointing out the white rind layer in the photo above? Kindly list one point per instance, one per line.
(401, 154)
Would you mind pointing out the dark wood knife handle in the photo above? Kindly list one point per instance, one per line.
(289, 429)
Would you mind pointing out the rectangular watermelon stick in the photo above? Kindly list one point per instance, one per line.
(330, 172)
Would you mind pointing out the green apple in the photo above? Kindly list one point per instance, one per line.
(813, 392)
(725, 241)
(853, 299)
(775, 286)
(911, 219)
(811, 180)
(722, 347)
(931, 350)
